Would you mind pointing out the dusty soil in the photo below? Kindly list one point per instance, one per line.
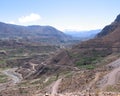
(112, 77)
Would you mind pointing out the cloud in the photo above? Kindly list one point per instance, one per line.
(11, 22)
(69, 27)
(30, 18)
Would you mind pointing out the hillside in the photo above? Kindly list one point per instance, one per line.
(44, 34)
(110, 28)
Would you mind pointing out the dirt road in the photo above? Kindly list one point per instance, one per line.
(112, 77)
(14, 78)
(55, 87)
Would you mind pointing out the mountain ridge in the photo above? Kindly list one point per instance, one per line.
(33, 33)
(110, 28)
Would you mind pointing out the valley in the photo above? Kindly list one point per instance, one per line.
(32, 68)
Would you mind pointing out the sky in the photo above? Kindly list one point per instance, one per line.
(75, 15)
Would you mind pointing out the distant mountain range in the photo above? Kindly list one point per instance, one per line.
(44, 34)
(83, 35)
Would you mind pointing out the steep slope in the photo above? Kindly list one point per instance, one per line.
(110, 28)
(45, 34)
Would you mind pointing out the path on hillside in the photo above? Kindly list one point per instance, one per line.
(52, 89)
(13, 76)
(113, 76)
(33, 66)
(110, 78)
(55, 87)
(93, 82)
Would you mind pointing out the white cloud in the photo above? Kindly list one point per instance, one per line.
(69, 27)
(30, 18)
(77, 27)
(11, 22)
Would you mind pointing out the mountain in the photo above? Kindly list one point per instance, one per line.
(83, 35)
(110, 28)
(45, 34)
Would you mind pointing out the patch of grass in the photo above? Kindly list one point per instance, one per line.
(3, 78)
(85, 61)
(2, 61)
(40, 84)
(68, 75)
(88, 62)
(23, 91)
(112, 88)
(53, 78)
(74, 55)
(4, 68)
(90, 67)
(23, 84)
(65, 72)
(37, 82)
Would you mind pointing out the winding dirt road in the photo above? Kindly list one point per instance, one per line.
(14, 78)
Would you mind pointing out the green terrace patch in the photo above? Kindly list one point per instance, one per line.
(113, 88)
(3, 78)
(88, 62)
(88, 66)
(2, 61)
